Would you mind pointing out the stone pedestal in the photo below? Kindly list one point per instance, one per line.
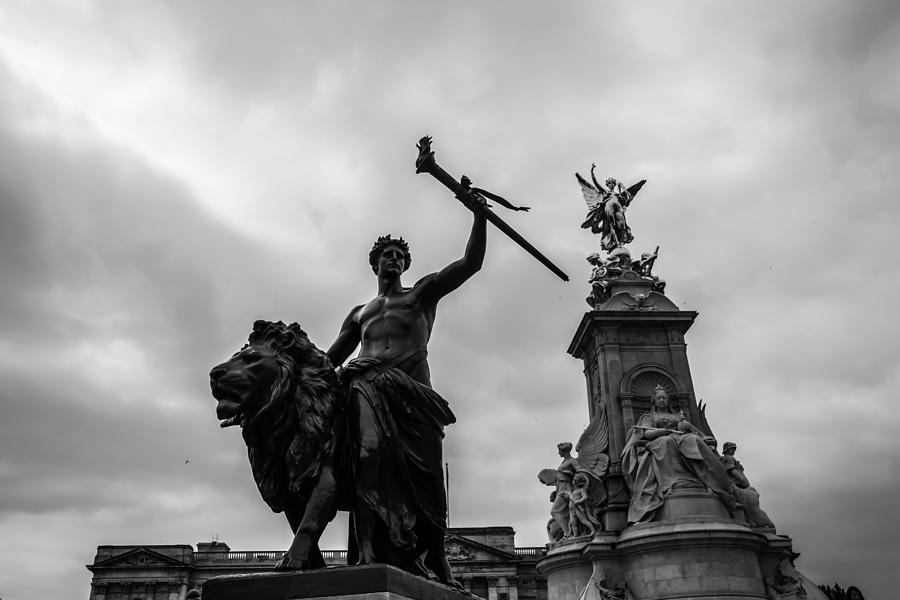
(683, 557)
(692, 561)
(570, 565)
(692, 505)
(369, 582)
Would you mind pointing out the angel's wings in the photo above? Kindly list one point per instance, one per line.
(632, 192)
(593, 196)
(593, 444)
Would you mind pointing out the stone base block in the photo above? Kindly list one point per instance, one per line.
(661, 561)
(692, 505)
(569, 566)
(369, 582)
(699, 560)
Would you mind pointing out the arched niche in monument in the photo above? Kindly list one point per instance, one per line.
(637, 387)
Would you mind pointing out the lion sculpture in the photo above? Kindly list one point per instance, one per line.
(283, 393)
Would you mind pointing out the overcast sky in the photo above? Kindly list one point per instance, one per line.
(172, 171)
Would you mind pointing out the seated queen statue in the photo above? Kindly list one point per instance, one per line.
(665, 452)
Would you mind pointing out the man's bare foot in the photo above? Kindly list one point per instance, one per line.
(366, 555)
(289, 563)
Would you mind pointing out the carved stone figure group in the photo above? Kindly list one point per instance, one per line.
(606, 217)
(605, 270)
(580, 489)
(664, 452)
(576, 500)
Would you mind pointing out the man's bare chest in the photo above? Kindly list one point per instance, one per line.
(405, 306)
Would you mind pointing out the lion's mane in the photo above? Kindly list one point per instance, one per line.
(299, 426)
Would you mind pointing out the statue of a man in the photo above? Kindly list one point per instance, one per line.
(396, 420)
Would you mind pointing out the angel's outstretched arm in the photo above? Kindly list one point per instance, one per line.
(594, 179)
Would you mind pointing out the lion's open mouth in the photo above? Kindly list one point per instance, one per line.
(234, 420)
(228, 412)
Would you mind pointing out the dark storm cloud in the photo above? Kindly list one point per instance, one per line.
(100, 252)
(61, 450)
(111, 315)
(768, 138)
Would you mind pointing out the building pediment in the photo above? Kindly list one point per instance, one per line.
(138, 558)
(459, 548)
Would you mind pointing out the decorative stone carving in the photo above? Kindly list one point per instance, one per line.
(599, 587)
(142, 560)
(743, 491)
(644, 267)
(787, 583)
(836, 592)
(648, 381)
(599, 280)
(456, 551)
(580, 493)
(618, 265)
(664, 452)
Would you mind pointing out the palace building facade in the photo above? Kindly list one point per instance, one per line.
(484, 559)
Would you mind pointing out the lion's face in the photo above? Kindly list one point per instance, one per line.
(243, 382)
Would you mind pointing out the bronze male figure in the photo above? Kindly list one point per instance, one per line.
(395, 419)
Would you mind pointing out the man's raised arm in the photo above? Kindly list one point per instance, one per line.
(456, 273)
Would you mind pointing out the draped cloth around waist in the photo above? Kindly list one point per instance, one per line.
(404, 479)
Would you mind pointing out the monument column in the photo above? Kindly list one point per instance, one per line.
(649, 509)
(612, 368)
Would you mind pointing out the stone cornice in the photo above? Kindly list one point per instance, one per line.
(680, 320)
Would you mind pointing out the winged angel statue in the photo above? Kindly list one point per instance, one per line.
(580, 491)
(606, 209)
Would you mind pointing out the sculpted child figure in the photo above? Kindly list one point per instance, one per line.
(396, 420)
(582, 520)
